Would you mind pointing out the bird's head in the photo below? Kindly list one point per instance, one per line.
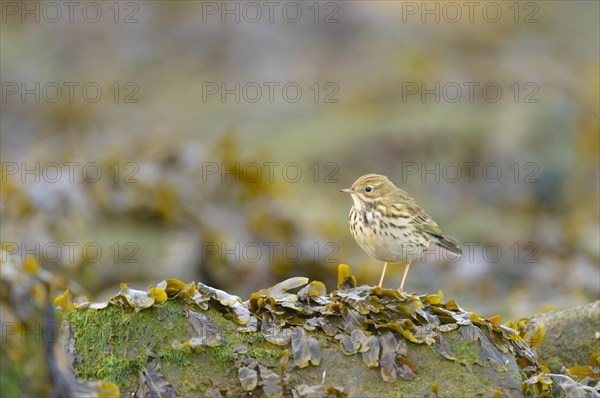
(371, 187)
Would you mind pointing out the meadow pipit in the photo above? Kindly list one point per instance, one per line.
(390, 226)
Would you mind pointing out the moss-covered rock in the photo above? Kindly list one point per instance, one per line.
(572, 336)
(117, 343)
(356, 342)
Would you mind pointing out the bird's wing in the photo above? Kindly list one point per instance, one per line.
(421, 220)
(424, 224)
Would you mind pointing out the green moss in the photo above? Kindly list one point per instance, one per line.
(258, 347)
(463, 350)
(113, 344)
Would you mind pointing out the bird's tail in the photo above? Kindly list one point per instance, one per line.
(448, 244)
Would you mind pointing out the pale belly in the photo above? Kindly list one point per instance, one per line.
(390, 245)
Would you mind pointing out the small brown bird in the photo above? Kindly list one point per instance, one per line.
(390, 226)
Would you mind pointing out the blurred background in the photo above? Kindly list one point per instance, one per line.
(208, 141)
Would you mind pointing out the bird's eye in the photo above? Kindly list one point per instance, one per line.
(368, 189)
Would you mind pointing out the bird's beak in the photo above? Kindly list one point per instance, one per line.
(347, 190)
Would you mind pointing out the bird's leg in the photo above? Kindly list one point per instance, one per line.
(404, 276)
(382, 274)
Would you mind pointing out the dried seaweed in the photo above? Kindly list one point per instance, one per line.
(379, 324)
(388, 343)
(153, 384)
(271, 382)
(371, 355)
(318, 391)
(274, 332)
(206, 333)
(248, 378)
(305, 348)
